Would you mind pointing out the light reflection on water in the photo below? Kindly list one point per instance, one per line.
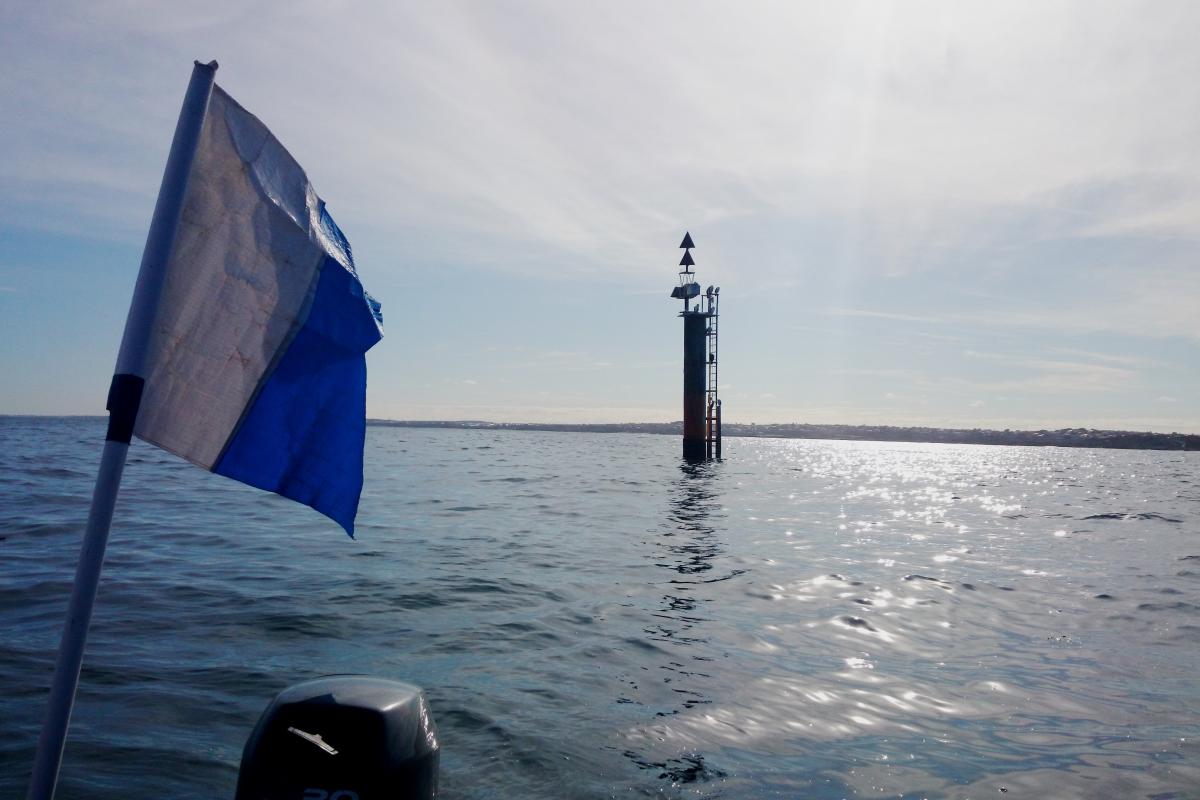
(592, 618)
(966, 635)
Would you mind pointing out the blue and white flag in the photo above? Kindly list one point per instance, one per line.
(256, 365)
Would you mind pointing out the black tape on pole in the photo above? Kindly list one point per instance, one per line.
(124, 399)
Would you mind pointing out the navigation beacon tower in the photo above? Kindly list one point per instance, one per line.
(701, 406)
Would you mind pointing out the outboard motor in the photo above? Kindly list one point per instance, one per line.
(342, 738)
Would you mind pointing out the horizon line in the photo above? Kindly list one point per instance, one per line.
(376, 420)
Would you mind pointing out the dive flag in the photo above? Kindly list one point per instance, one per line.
(255, 362)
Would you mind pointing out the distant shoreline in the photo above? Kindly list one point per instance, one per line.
(1066, 437)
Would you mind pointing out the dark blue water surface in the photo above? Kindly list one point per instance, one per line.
(590, 618)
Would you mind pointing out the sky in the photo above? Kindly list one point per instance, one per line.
(955, 214)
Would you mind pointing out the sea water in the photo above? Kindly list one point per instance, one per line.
(591, 618)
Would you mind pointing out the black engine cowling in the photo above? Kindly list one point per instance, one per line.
(342, 738)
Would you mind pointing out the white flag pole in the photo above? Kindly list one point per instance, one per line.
(124, 397)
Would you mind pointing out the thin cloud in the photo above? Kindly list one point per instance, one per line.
(1053, 375)
(1133, 361)
(888, 315)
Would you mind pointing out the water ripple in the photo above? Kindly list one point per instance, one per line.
(592, 618)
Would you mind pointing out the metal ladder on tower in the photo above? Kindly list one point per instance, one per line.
(710, 392)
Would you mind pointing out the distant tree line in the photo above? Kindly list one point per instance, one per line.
(1065, 437)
